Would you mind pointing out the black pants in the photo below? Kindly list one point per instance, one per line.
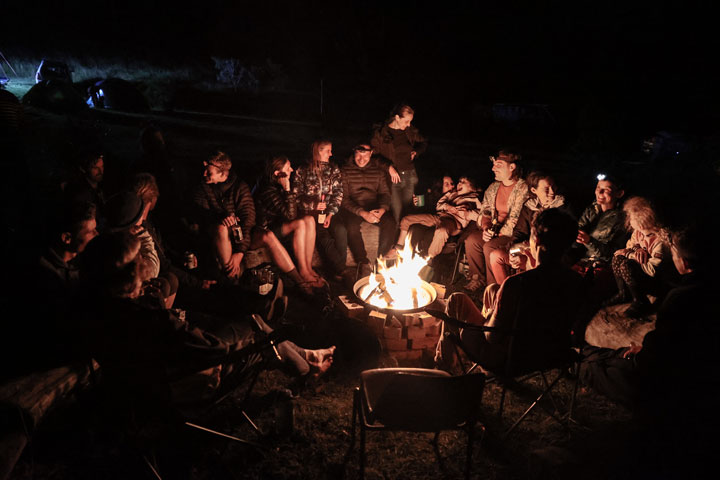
(347, 234)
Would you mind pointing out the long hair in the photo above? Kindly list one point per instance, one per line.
(315, 153)
(273, 164)
(642, 211)
(401, 109)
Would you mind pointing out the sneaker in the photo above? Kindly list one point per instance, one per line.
(474, 284)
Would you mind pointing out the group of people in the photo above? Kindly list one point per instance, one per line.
(118, 294)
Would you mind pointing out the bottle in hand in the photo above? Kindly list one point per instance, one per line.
(322, 215)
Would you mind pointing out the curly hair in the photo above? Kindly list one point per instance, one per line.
(641, 210)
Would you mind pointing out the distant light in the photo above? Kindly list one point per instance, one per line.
(101, 93)
(677, 153)
(601, 176)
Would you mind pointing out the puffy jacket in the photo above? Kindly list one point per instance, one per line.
(364, 188)
(274, 205)
(309, 187)
(214, 202)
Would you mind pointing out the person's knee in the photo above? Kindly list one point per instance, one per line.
(269, 238)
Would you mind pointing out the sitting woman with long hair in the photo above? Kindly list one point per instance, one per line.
(645, 265)
(277, 218)
(319, 190)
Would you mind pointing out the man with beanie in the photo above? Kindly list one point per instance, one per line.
(225, 209)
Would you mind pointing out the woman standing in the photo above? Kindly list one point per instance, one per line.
(318, 188)
(399, 143)
(277, 218)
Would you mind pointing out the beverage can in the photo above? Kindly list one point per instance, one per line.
(190, 261)
(237, 233)
(420, 200)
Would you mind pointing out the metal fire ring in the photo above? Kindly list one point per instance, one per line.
(425, 286)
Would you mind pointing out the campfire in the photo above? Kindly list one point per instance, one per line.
(397, 287)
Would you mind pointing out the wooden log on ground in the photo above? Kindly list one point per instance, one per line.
(611, 328)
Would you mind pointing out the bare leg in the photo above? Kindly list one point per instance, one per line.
(310, 243)
(280, 256)
(298, 228)
(223, 246)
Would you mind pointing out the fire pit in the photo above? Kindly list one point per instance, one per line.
(397, 289)
(406, 299)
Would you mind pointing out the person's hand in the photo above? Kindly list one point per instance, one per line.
(415, 200)
(377, 213)
(229, 221)
(413, 154)
(367, 216)
(641, 256)
(394, 175)
(151, 288)
(136, 230)
(518, 262)
(631, 350)
(322, 205)
(206, 284)
(622, 252)
(328, 219)
(233, 266)
(487, 235)
(582, 237)
(451, 209)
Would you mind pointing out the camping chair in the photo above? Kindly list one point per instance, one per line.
(153, 420)
(416, 400)
(567, 362)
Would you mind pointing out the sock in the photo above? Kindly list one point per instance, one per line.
(295, 276)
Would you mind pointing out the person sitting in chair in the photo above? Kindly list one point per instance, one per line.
(156, 354)
(542, 304)
(455, 210)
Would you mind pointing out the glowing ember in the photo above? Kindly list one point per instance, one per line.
(399, 286)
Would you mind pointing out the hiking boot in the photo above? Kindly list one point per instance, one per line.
(474, 284)
(616, 299)
(638, 309)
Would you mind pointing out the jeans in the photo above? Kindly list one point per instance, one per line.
(401, 194)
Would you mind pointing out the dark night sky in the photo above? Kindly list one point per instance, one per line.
(540, 52)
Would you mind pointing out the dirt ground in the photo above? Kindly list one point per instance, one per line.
(314, 444)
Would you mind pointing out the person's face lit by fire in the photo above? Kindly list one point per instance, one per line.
(645, 234)
(607, 195)
(213, 174)
(545, 192)
(96, 172)
(325, 152)
(87, 231)
(502, 168)
(401, 123)
(447, 184)
(464, 186)
(362, 155)
(286, 170)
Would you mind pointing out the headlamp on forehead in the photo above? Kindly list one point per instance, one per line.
(601, 176)
(362, 149)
